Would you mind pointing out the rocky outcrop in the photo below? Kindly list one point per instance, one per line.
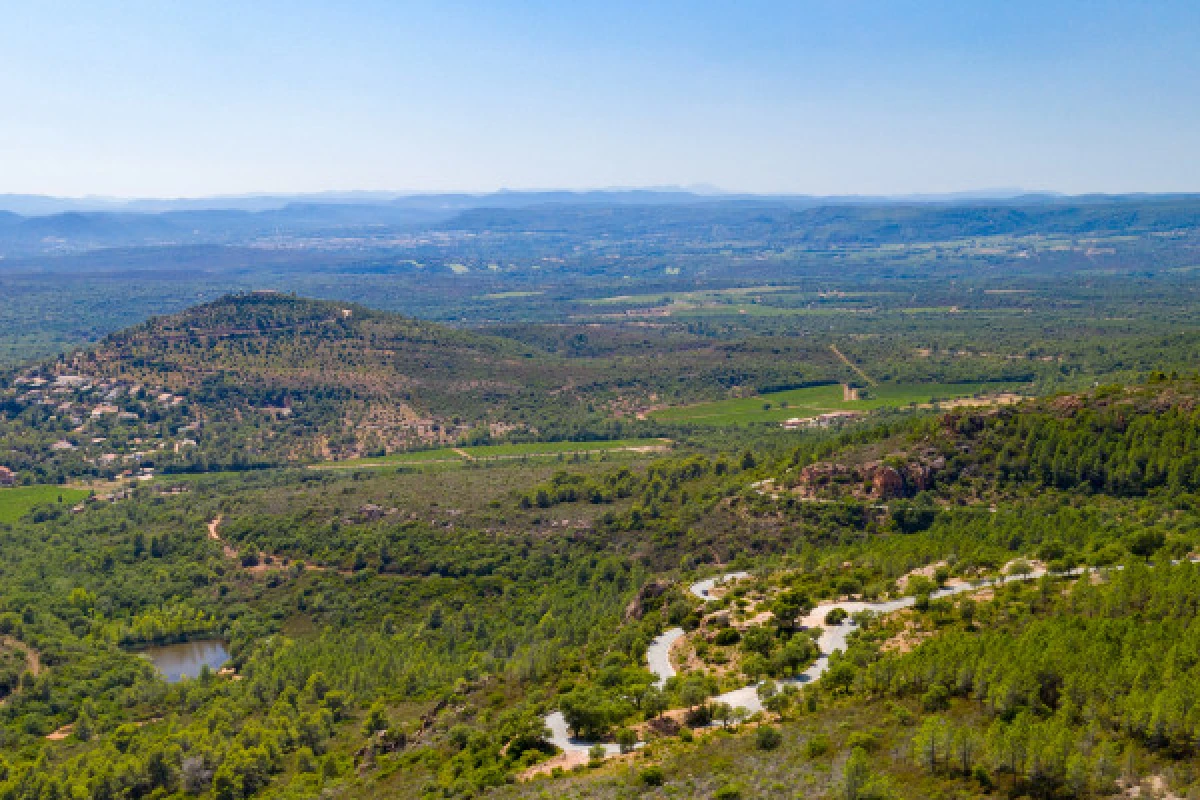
(873, 480)
(886, 482)
(637, 606)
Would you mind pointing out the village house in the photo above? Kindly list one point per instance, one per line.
(7, 477)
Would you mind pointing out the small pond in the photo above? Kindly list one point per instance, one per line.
(186, 659)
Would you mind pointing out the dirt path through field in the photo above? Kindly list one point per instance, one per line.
(857, 370)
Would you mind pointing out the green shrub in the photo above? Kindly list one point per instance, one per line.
(936, 699)
(817, 746)
(652, 776)
(727, 636)
(768, 738)
(836, 616)
(867, 740)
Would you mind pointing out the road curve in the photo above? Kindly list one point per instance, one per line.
(703, 589)
(561, 737)
(658, 655)
(832, 638)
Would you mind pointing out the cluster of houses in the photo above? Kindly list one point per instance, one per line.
(821, 420)
(79, 397)
(87, 404)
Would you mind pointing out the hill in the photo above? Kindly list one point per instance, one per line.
(265, 378)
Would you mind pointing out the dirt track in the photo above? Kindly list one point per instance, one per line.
(857, 370)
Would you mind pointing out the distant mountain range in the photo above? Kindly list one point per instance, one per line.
(41, 226)
(44, 205)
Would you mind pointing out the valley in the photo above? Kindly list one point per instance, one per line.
(478, 551)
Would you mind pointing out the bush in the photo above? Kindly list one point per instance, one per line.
(867, 740)
(728, 636)
(698, 717)
(817, 746)
(768, 738)
(836, 616)
(729, 791)
(901, 714)
(685, 735)
(936, 699)
(652, 776)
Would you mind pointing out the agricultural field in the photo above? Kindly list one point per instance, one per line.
(496, 452)
(813, 400)
(17, 502)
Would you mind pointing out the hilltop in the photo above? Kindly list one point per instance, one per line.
(265, 378)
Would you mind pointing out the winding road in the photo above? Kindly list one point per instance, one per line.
(832, 638)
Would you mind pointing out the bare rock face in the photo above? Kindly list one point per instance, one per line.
(637, 606)
(1067, 405)
(371, 512)
(820, 475)
(872, 480)
(886, 483)
(920, 476)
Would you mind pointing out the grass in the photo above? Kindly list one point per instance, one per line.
(461, 455)
(509, 295)
(696, 295)
(555, 448)
(17, 502)
(811, 401)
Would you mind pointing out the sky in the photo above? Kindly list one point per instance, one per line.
(181, 99)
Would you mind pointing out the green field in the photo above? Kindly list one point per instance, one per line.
(556, 448)
(509, 295)
(492, 452)
(16, 503)
(813, 400)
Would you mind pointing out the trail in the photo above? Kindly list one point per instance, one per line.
(230, 552)
(858, 370)
(33, 660)
(263, 567)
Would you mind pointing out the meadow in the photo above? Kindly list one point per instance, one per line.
(17, 502)
(811, 401)
(492, 452)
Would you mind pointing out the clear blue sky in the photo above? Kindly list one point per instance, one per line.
(162, 98)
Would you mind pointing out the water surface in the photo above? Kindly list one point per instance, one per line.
(186, 659)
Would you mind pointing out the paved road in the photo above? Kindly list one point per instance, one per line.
(658, 655)
(832, 638)
(703, 588)
(563, 740)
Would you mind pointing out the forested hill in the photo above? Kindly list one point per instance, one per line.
(265, 378)
(277, 344)
(377, 378)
